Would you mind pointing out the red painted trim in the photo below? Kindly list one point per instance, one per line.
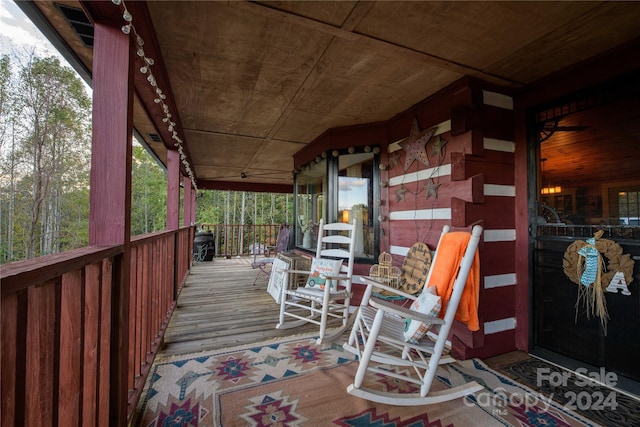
(173, 190)
(245, 186)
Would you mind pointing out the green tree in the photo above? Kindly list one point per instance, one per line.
(45, 155)
(148, 193)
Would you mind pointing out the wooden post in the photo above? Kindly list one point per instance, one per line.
(110, 198)
(173, 190)
(188, 201)
(194, 205)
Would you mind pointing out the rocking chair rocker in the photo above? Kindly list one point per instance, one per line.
(379, 336)
(327, 292)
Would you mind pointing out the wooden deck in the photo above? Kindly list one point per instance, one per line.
(219, 307)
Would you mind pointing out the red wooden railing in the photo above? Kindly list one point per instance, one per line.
(75, 329)
(238, 239)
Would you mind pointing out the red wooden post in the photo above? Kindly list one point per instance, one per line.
(110, 207)
(173, 190)
(193, 205)
(189, 201)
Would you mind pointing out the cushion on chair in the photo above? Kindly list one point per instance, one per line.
(320, 269)
(428, 302)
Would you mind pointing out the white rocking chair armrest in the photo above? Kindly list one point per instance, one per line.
(403, 312)
(284, 270)
(371, 281)
(338, 277)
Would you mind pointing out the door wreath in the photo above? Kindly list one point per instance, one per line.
(584, 265)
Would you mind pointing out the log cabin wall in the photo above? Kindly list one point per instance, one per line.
(468, 180)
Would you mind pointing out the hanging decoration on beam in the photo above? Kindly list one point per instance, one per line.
(414, 145)
(394, 158)
(148, 62)
(432, 188)
(438, 146)
(400, 192)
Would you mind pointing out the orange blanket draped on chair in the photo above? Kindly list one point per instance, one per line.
(445, 269)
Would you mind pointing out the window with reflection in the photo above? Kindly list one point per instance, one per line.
(588, 161)
(339, 188)
(311, 185)
(355, 199)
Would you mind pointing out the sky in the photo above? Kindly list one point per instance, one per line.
(19, 35)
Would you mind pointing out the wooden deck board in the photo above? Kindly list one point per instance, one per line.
(219, 307)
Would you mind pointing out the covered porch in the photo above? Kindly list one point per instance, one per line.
(262, 99)
(220, 307)
(208, 318)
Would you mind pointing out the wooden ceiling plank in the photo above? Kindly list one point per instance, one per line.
(376, 43)
(357, 14)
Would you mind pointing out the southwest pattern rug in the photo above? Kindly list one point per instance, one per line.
(294, 382)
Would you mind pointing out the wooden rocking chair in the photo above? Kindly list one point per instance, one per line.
(379, 337)
(327, 292)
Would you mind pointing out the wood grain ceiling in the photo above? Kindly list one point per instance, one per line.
(254, 82)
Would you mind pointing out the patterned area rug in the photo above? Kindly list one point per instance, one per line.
(602, 404)
(295, 382)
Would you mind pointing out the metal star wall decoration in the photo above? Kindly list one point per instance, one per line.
(432, 188)
(438, 146)
(415, 143)
(400, 193)
(394, 158)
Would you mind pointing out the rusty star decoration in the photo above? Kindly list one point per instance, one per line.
(400, 192)
(438, 146)
(432, 189)
(414, 145)
(394, 158)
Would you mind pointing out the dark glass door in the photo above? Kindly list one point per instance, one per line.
(586, 155)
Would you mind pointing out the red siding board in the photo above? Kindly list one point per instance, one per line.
(497, 122)
(40, 377)
(501, 159)
(90, 376)
(106, 285)
(70, 379)
(468, 338)
(498, 258)
(497, 212)
(494, 122)
(496, 166)
(497, 303)
(467, 144)
(406, 233)
(494, 344)
(8, 360)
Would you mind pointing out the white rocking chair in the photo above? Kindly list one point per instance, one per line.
(378, 337)
(318, 303)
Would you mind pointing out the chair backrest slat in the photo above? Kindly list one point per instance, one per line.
(346, 239)
(337, 238)
(335, 253)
